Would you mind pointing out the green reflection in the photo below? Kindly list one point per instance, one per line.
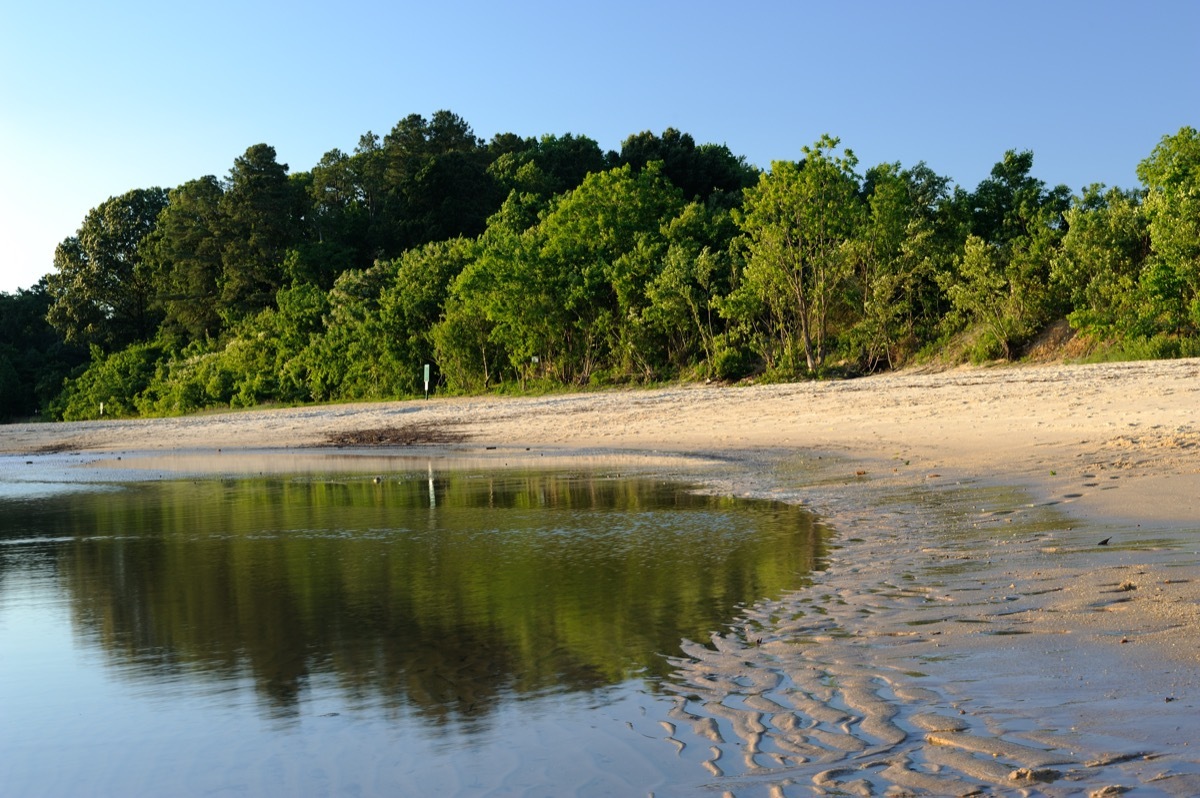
(438, 599)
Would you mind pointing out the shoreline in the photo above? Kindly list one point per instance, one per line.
(1045, 425)
(1093, 430)
(968, 508)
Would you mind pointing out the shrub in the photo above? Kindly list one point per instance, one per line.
(731, 361)
(114, 382)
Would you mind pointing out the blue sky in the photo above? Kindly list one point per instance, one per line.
(100, 98)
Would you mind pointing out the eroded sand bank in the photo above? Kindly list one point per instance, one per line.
(969, 634)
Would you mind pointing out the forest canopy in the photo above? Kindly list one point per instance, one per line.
(545, 263)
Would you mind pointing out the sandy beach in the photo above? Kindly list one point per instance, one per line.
(971, 633)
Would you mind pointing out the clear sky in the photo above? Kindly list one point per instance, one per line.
(100, 98)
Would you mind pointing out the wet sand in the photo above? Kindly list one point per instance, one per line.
(970, 633)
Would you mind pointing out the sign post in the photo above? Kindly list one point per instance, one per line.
(426, 380)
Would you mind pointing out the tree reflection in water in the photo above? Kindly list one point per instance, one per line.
(509, 585)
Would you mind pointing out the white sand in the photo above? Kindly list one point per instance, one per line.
(968, 631)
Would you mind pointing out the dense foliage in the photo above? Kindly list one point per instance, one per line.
(34, 358)
(521, 262)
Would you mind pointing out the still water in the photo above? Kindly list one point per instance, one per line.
(423, 634)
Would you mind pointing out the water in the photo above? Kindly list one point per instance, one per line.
(451, 633)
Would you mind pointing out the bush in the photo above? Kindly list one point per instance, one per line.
(1157, 347)
(731, 361)
(984, 348)
(114, 382)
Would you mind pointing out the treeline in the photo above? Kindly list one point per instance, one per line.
(524, 263)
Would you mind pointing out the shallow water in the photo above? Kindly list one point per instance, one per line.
(427, 633)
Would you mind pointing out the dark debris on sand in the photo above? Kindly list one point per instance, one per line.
(416, 434)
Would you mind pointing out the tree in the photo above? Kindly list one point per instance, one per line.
(1006, 205)
(258, 216)
(333, 192)
(185, 255)
(380, 322)
(343, 362)
(368, 168)
(894, 257)
(467, 356)
(796, 223)
(452, 195)
(331, 230)
(603, 241)
(34, 358)
(113, 382)
(1171, 282)
(436, 182)
(699, 172)
(570, 291)
(980, 293)
(102, 289)
(1003, 290)
(492, 319)
(1003, 280)
(411, 305)
(547, 166)
(697, 270)
(1101, 259)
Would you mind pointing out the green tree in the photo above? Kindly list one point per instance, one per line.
(980, 293)
(547, 166)
(1003, 283)
(437, 184)
(263, 359)
(894, 256)
(683, 297)
(258, 216)
(344, 226)
(601, 245)
(1011, 202)
(381, 321)
(469, 357)
(325, 244)
(112, 385)
(569, 292)
(185, 255)
(344, 362)
(498, 312)
(1171, 281)
(698, 171)
(368, 171)
(797, 222)
(412, 303)
(1102, 256)
(1002, 289)
(34, 358)
(102, 289)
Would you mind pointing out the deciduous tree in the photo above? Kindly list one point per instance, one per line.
(101, 289)
(1171, 282)
(797, 222)
(1003, 278)
(1101, 259)
(893, 259)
